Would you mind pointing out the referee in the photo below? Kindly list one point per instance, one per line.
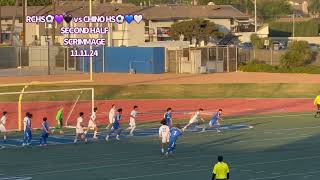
(220, 170)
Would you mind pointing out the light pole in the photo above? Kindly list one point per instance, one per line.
(255, 16)
(90, 24)
(47, 32)
(293, 24)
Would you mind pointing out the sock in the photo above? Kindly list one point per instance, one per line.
(5, 137)
(162, 150)
(95, 134)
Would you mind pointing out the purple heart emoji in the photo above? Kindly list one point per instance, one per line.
(128, 18)
(58, 18)
(137, 18)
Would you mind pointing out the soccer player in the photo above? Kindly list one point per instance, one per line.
(168, 116)
(79, 129)
(60, 119)
(116, 125)
(220, 170)
(175, 133)
(164, 135)
(196, 117)
(317, 103)
(93, 124)
(215, 121)
(3, 122)
(132, 121)
(112, 113)
(44, 132)
(27, 129)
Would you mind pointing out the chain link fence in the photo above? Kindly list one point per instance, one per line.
(37, 60)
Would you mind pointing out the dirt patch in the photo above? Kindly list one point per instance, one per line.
(126, 79)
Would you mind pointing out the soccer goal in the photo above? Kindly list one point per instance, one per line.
(46, 103)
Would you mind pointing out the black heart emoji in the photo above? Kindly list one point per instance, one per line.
(67, 18)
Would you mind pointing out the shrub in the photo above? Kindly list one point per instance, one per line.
(298, 54)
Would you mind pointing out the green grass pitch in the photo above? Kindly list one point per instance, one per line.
(280, 146)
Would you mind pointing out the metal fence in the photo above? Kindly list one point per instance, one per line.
(36, 60)
(202, 60)
(268, 56)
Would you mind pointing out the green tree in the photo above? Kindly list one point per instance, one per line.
(299, 54)
(257, 42)
(271, 9)
(314, 6)
(197, 28)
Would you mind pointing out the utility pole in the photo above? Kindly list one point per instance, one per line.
(255, 16)
(24, 14)
(293, 19)
(54, 23)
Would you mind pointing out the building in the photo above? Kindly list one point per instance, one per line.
(156, 23)
(300, 6)
(158, 19)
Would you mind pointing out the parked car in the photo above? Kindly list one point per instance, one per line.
(278, 45)
(314, 47)
(246, 45)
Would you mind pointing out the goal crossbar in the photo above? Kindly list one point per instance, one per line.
(46, 91)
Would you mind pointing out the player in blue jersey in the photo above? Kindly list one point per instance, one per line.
(27, 130)
(116, 125)
(168, 117)
(175, 133)
(44, 132)
(215, 121)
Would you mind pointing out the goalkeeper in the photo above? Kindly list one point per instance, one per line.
(59, 119)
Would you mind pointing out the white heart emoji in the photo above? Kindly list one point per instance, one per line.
(137, 18)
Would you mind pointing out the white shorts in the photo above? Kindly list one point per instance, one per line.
(79, 130)
(92, 125)
(2, 128)
(193, 121)
(132, 122)
(165, 139)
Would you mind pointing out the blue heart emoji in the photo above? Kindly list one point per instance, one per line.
(128, 18)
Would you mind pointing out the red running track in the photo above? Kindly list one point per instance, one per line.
(152, 110)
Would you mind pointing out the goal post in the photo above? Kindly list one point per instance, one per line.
(21, 95)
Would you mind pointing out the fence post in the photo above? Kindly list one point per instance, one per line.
(236, 58)
(271, 56)
(176, 61)
(103, 59)
(228, 64)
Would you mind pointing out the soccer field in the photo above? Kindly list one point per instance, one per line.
(279, 146)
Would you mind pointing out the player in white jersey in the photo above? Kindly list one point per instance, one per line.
(195, 119)
(3, 122)
(132, 120)
(93, 124)
(164, 135)
(112, 113)
(27, 129)
(79, 129)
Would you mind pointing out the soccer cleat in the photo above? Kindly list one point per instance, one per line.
(107, 138)
(23, 144)
(131, 134)
(218, 131)
(75, 141)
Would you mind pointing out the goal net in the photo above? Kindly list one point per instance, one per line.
(46, 103)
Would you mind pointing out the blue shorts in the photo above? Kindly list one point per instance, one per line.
(213, 122)
(168, 122)
(172, 144)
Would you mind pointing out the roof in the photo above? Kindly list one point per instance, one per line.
(77, 9)
(165, 12)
